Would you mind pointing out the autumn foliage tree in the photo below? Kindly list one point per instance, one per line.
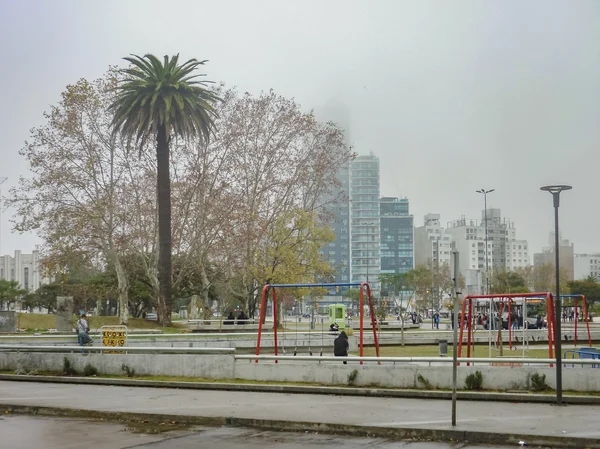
(248, 206)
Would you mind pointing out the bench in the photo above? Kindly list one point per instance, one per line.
(583, 353)
(217, 325)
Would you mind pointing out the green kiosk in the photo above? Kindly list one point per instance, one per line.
(337, 314)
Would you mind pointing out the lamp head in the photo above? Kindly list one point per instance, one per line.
(555, 189)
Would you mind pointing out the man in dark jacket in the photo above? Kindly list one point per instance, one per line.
(340, 345)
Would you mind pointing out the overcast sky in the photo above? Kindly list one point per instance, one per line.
(453, 96)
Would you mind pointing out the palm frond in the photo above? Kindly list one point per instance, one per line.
(163, 93)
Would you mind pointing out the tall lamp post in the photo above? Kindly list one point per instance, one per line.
(490, 319)
(487, 277)
(555, 191)
(2, 180)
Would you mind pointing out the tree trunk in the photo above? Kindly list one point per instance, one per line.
(164, 223)
(122, 286)
(205, 288)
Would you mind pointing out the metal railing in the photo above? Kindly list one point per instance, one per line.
(405, 360)
(301, 358)
(127, 349)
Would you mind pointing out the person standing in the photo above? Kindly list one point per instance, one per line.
(340, 346)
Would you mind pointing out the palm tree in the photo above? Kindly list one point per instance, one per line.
(161, 100)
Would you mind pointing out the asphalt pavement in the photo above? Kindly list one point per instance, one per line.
(507, 422)
(25, 432)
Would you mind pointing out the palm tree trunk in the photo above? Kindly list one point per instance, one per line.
(164, 224)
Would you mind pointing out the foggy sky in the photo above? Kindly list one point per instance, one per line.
(452, 96)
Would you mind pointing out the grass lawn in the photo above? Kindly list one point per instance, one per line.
(40, 322)
(434, 351)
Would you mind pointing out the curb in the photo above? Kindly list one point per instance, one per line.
(301, 389)
(396, 433)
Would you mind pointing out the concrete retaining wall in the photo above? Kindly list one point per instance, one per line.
(224, 366)
(407, 376)
(217, 366)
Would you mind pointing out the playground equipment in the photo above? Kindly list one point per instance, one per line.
(508, 298)
(585, 314)
(362, 287)
(337, 315)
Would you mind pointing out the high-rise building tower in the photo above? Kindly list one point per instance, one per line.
(365, 264)
(338, 251)
(396, 236)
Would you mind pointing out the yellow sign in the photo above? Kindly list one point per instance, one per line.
(114, 336)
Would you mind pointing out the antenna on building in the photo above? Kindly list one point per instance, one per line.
(2, 180)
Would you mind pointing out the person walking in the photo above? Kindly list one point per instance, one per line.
(83, 330)
(340, 346)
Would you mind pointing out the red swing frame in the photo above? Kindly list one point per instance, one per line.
(361, 285)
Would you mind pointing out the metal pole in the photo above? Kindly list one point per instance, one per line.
(487, 268)
(432, 307)
(2, 180)
(557, 303)
(455, 338)
(555, 191)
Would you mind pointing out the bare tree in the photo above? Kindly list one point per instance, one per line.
(71, 197)
(282, 160)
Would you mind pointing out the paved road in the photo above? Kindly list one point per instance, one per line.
(24, 432)
(492, 417)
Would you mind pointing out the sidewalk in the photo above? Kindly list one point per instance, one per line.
(491, 422)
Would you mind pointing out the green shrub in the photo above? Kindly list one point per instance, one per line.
(90, 370)
(538, 383)
(474, 381)
(129, 371)
(68, 368)
(425, 382)
(352, 377)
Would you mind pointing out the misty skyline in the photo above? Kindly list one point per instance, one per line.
(451, 96)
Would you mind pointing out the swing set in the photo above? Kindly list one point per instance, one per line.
(508, 300)
(362, 286)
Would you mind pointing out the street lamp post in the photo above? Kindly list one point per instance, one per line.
(490, 319)
(2, 179)
(432, 325)
(487, 277)
(555, 191)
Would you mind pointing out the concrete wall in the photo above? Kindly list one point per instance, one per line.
(224, 366)
(407, 376)
(217, 366)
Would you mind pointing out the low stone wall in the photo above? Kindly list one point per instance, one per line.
(224, 366)
(407, 376)
(210, 366)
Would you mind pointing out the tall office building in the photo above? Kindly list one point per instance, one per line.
(365, 264)
(566, 255)
(23, 268)
(396, 236)
(504, 250)
(586, 265)
(338, 206)
(338, 251)
(432, 245)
